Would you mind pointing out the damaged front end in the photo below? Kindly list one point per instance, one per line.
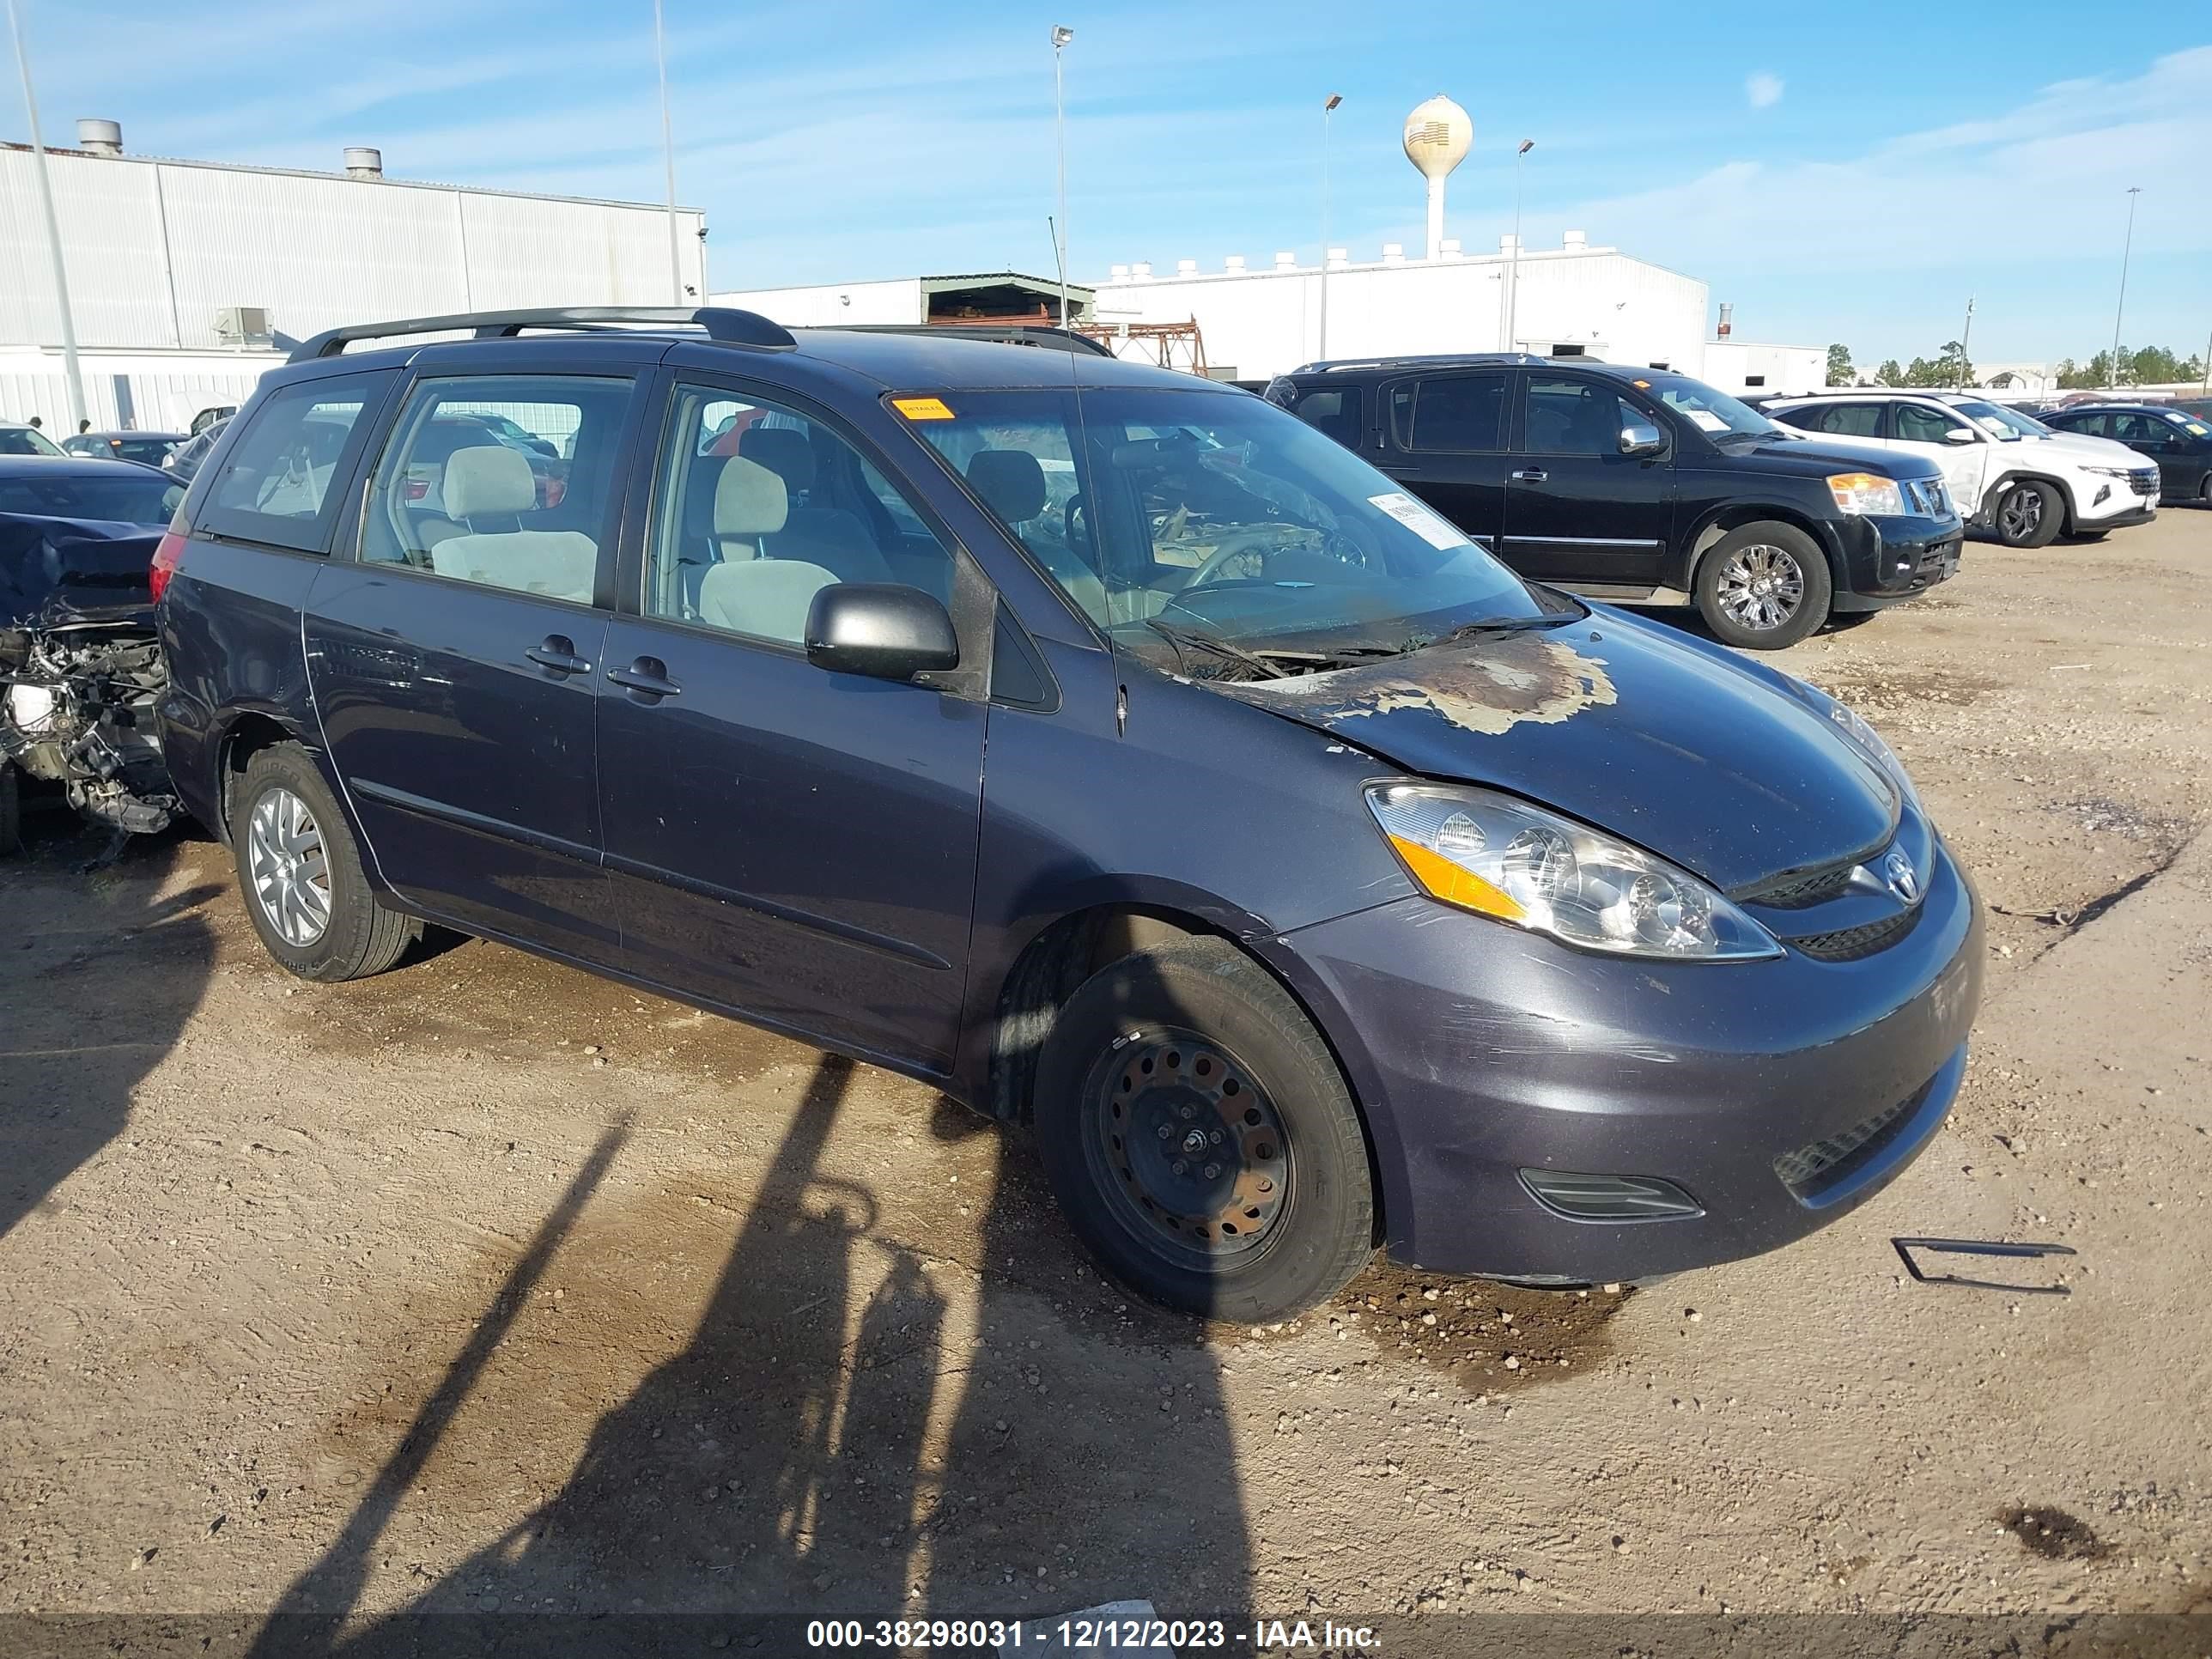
(81, 670)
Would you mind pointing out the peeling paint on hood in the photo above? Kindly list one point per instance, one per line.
(1488, 687)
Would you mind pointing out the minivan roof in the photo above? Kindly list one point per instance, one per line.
(894, 358)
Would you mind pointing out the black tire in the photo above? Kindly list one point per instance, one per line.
(2084, 536)
(1765, 551)
(1231, 1072)
(11, 809)
(357, 935)
(2027, 513)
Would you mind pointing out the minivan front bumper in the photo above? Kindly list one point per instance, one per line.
(1777, 1094)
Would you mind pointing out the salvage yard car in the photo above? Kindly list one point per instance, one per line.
(1327, 885)
(2179, 441)
(1643, 486)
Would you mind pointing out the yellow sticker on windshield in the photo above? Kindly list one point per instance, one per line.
(922, 408)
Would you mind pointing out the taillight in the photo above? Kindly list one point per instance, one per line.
(168, 554)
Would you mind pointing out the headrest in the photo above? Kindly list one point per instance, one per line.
(1010, 481)
(485, 479)
(748, 500)
(783, 451)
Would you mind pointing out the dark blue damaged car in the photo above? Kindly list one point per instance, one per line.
(1107, 748)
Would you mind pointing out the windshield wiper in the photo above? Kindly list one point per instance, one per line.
(1505, 625)
(1184, 640)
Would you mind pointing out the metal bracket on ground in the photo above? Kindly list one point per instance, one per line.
(1979, 1246)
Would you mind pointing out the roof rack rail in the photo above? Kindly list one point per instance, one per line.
(744, 328)
(1027, 334)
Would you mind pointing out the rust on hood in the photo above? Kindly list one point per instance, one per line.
(1487, 687)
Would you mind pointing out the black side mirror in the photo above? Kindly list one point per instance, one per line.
(885, 630)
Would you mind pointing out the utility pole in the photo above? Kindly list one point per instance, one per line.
(1334, 99)
(1061, 35)
(53, 227)
(668, 157)
(1513, 267)
(1965, 341)
(2112, 370)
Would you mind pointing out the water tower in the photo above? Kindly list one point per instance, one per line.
(1439, 134)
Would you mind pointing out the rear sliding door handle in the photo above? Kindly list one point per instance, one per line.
(1531, 475)
(558, 652)
(647, 676)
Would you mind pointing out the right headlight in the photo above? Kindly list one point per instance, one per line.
(1865, 493)
(1516, 863)
(2110, 471)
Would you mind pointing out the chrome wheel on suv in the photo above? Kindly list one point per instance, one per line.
(288, 868)
(1761, 586)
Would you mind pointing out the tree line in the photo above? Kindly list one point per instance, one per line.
(2144, 365)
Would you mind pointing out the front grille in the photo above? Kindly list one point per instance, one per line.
(1814, 1168)
(1853, 944)
(2144, 480)
(1927, 497)
(1803, 891)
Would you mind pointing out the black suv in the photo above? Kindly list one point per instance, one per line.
(1643, 486)
(2179, 440)
(1326, 886)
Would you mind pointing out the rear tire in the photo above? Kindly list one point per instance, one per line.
(2026, 515)
(299, 872)
(1764, 586)
(1201, 1138)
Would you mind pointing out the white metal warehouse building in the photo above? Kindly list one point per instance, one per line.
(186, 277)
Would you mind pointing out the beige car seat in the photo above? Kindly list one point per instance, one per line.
(485, 484)
(747, 593)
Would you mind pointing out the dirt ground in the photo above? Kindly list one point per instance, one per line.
(485, 1287)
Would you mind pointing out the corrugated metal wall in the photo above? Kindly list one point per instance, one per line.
(156, 250)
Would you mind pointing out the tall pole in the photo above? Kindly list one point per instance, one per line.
(1513, 265)
(2112, 369)
(53, 227)
(1061, 35)
(668, 158)
(1967, 340)
(1327, 110)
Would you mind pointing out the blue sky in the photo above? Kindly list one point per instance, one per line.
(1839, 174)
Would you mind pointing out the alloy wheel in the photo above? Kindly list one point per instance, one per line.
(289, 867)
(1761, 586)
(1191, 1152)
(2020, 514)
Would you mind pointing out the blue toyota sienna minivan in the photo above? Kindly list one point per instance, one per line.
(1107, 748)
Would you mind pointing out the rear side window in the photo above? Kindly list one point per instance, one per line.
(1839, 420)
(1336, 413)
(281, 481)
(501, 480)
(1458, 412)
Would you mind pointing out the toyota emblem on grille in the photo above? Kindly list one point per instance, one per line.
(1897, 871)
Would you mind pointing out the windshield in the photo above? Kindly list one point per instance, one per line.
(1713, 413)
(2009, 424)
(134, 499)
(25, 441)
(1183, 521)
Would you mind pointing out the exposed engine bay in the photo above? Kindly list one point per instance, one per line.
(81, 671)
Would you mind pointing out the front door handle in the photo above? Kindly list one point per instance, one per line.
(558, 652)
(648, 676)
(1531, 475)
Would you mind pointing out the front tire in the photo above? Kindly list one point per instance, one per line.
(2027, 515)
(1201, 1138)
(1763, 586)
(301, 875)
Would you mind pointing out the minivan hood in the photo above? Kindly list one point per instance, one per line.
(1668, 742)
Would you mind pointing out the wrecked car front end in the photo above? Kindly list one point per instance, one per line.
(79, 671)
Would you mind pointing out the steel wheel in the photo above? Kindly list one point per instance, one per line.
(1761, 586)
(2020, 514)
(1191, 1152)
(288, 867)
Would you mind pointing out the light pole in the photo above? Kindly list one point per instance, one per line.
(668, 157)
(1513, 265)
(1966, 340)
(1061, 35)
(1326, 109)
(53, 227)
(2112, 369)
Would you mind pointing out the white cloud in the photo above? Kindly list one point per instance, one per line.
(1763, 90)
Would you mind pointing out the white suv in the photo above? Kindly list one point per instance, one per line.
(2010, 474)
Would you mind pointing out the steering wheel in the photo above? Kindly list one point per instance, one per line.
(1243, 541)
(1075, 523)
